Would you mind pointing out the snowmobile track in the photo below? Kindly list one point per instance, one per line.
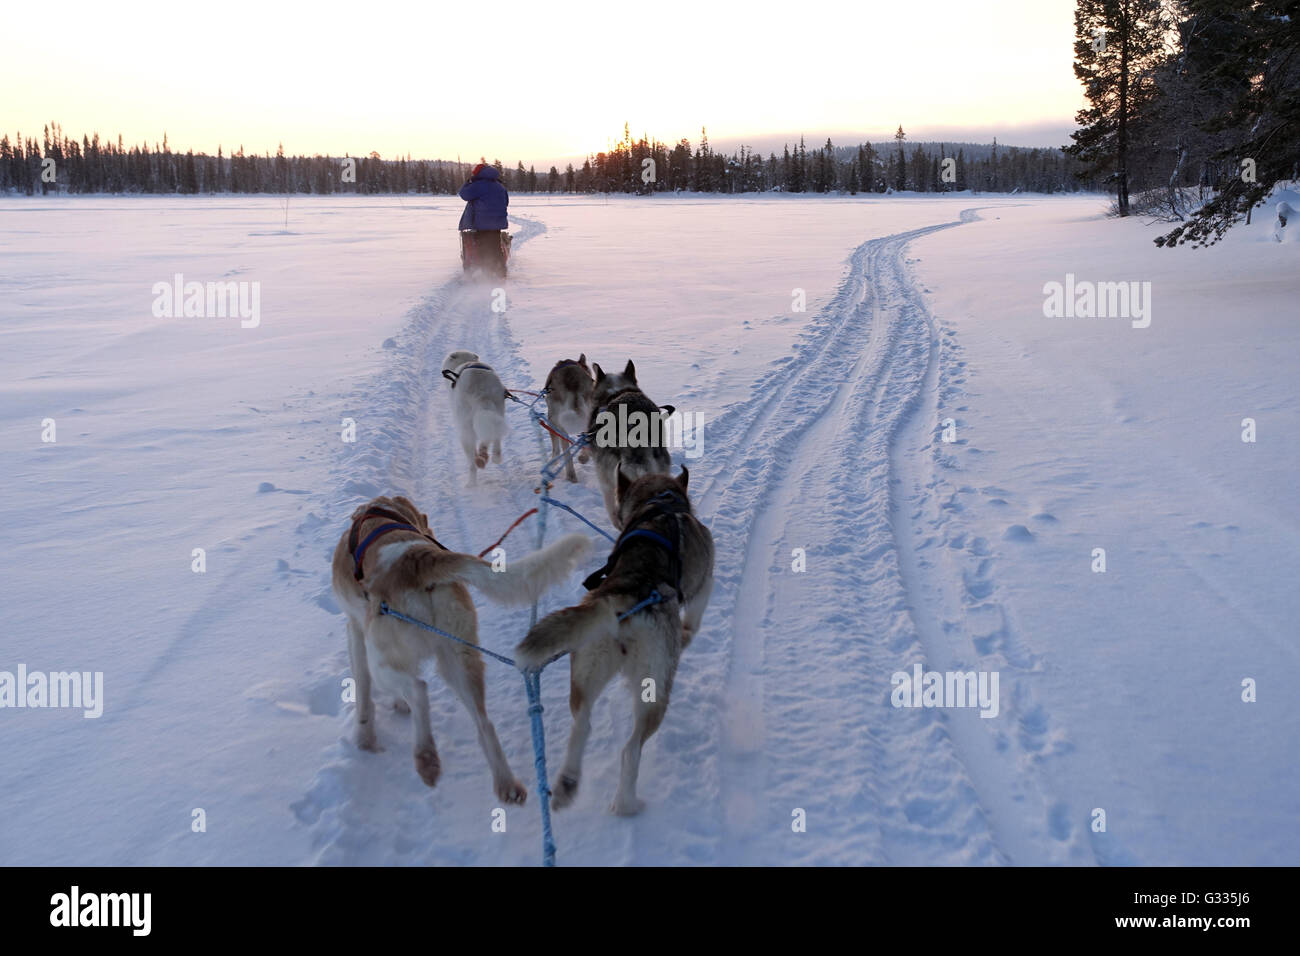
(834, 454)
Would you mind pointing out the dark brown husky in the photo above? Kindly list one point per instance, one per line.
(663, 548)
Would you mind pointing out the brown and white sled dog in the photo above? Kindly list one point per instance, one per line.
(568, 405)
(663, 547)
(620, 397)
(478, 400)
(389, 555)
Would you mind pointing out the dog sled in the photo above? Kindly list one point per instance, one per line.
(485, 250)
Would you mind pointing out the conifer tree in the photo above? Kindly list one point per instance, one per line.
(1118, 47)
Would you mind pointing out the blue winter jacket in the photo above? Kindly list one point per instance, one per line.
(485, 201)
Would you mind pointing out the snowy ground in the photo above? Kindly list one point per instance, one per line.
(1120, 691)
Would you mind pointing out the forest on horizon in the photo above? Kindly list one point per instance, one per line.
(58, 163)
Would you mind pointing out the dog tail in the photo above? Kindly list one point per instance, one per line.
(525, 579)
(489, 425)
(573, 419)
(565, 630)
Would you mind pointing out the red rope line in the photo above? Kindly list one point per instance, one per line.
(518, 522)
(559, 435)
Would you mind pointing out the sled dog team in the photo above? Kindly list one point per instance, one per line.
(389, 555)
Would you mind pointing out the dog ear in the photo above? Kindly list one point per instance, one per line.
(582, 359)
(624, 483)
(600, 373)
(630, 371)
(683, 478)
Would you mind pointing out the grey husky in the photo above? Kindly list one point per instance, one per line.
(568, 405)
(665, 549)
(629, 451)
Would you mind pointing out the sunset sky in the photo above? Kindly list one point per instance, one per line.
(537, 82)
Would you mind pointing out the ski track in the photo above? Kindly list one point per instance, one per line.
(783, 700)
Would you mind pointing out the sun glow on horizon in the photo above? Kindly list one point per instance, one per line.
(506, 83)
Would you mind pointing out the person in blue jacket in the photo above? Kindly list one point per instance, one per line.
(481, 224)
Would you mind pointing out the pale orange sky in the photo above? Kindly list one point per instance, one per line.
(532, 81)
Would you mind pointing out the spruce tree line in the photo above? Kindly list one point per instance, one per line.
(863, 168)
(96, 166)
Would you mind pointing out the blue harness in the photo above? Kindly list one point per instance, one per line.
(665, 503)
(396, 523)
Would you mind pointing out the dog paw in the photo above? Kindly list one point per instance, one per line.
(366, 739)
(584, 456)
(427, 765)
(496, 457)
(481, 459)
(566, 788)
(626, 808)
(511, 791)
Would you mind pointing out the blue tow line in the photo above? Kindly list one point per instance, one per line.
(560, 504)
(533, 687)
(654, 598)
(385, 609)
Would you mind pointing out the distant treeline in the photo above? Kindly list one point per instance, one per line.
(864, 168)
(97, 166)
(58, 163)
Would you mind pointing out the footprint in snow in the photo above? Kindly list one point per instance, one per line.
(266, 487)
(325, 601)
(1017, 532)
(362, 489)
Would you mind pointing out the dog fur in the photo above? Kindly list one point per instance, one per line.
(568, 406)
(416, 577)
(478, 401)
(646, 645)
(611, 391)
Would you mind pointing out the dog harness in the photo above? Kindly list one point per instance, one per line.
(452, 377)
(396, 522)
(665, 503)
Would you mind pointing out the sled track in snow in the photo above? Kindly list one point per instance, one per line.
(834, 453)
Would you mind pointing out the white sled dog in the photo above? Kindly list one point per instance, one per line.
(663, 548)
(633, 458)
(569, 388)
(479, 401)
(389, 555)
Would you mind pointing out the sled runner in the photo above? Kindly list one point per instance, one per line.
(486, 250)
